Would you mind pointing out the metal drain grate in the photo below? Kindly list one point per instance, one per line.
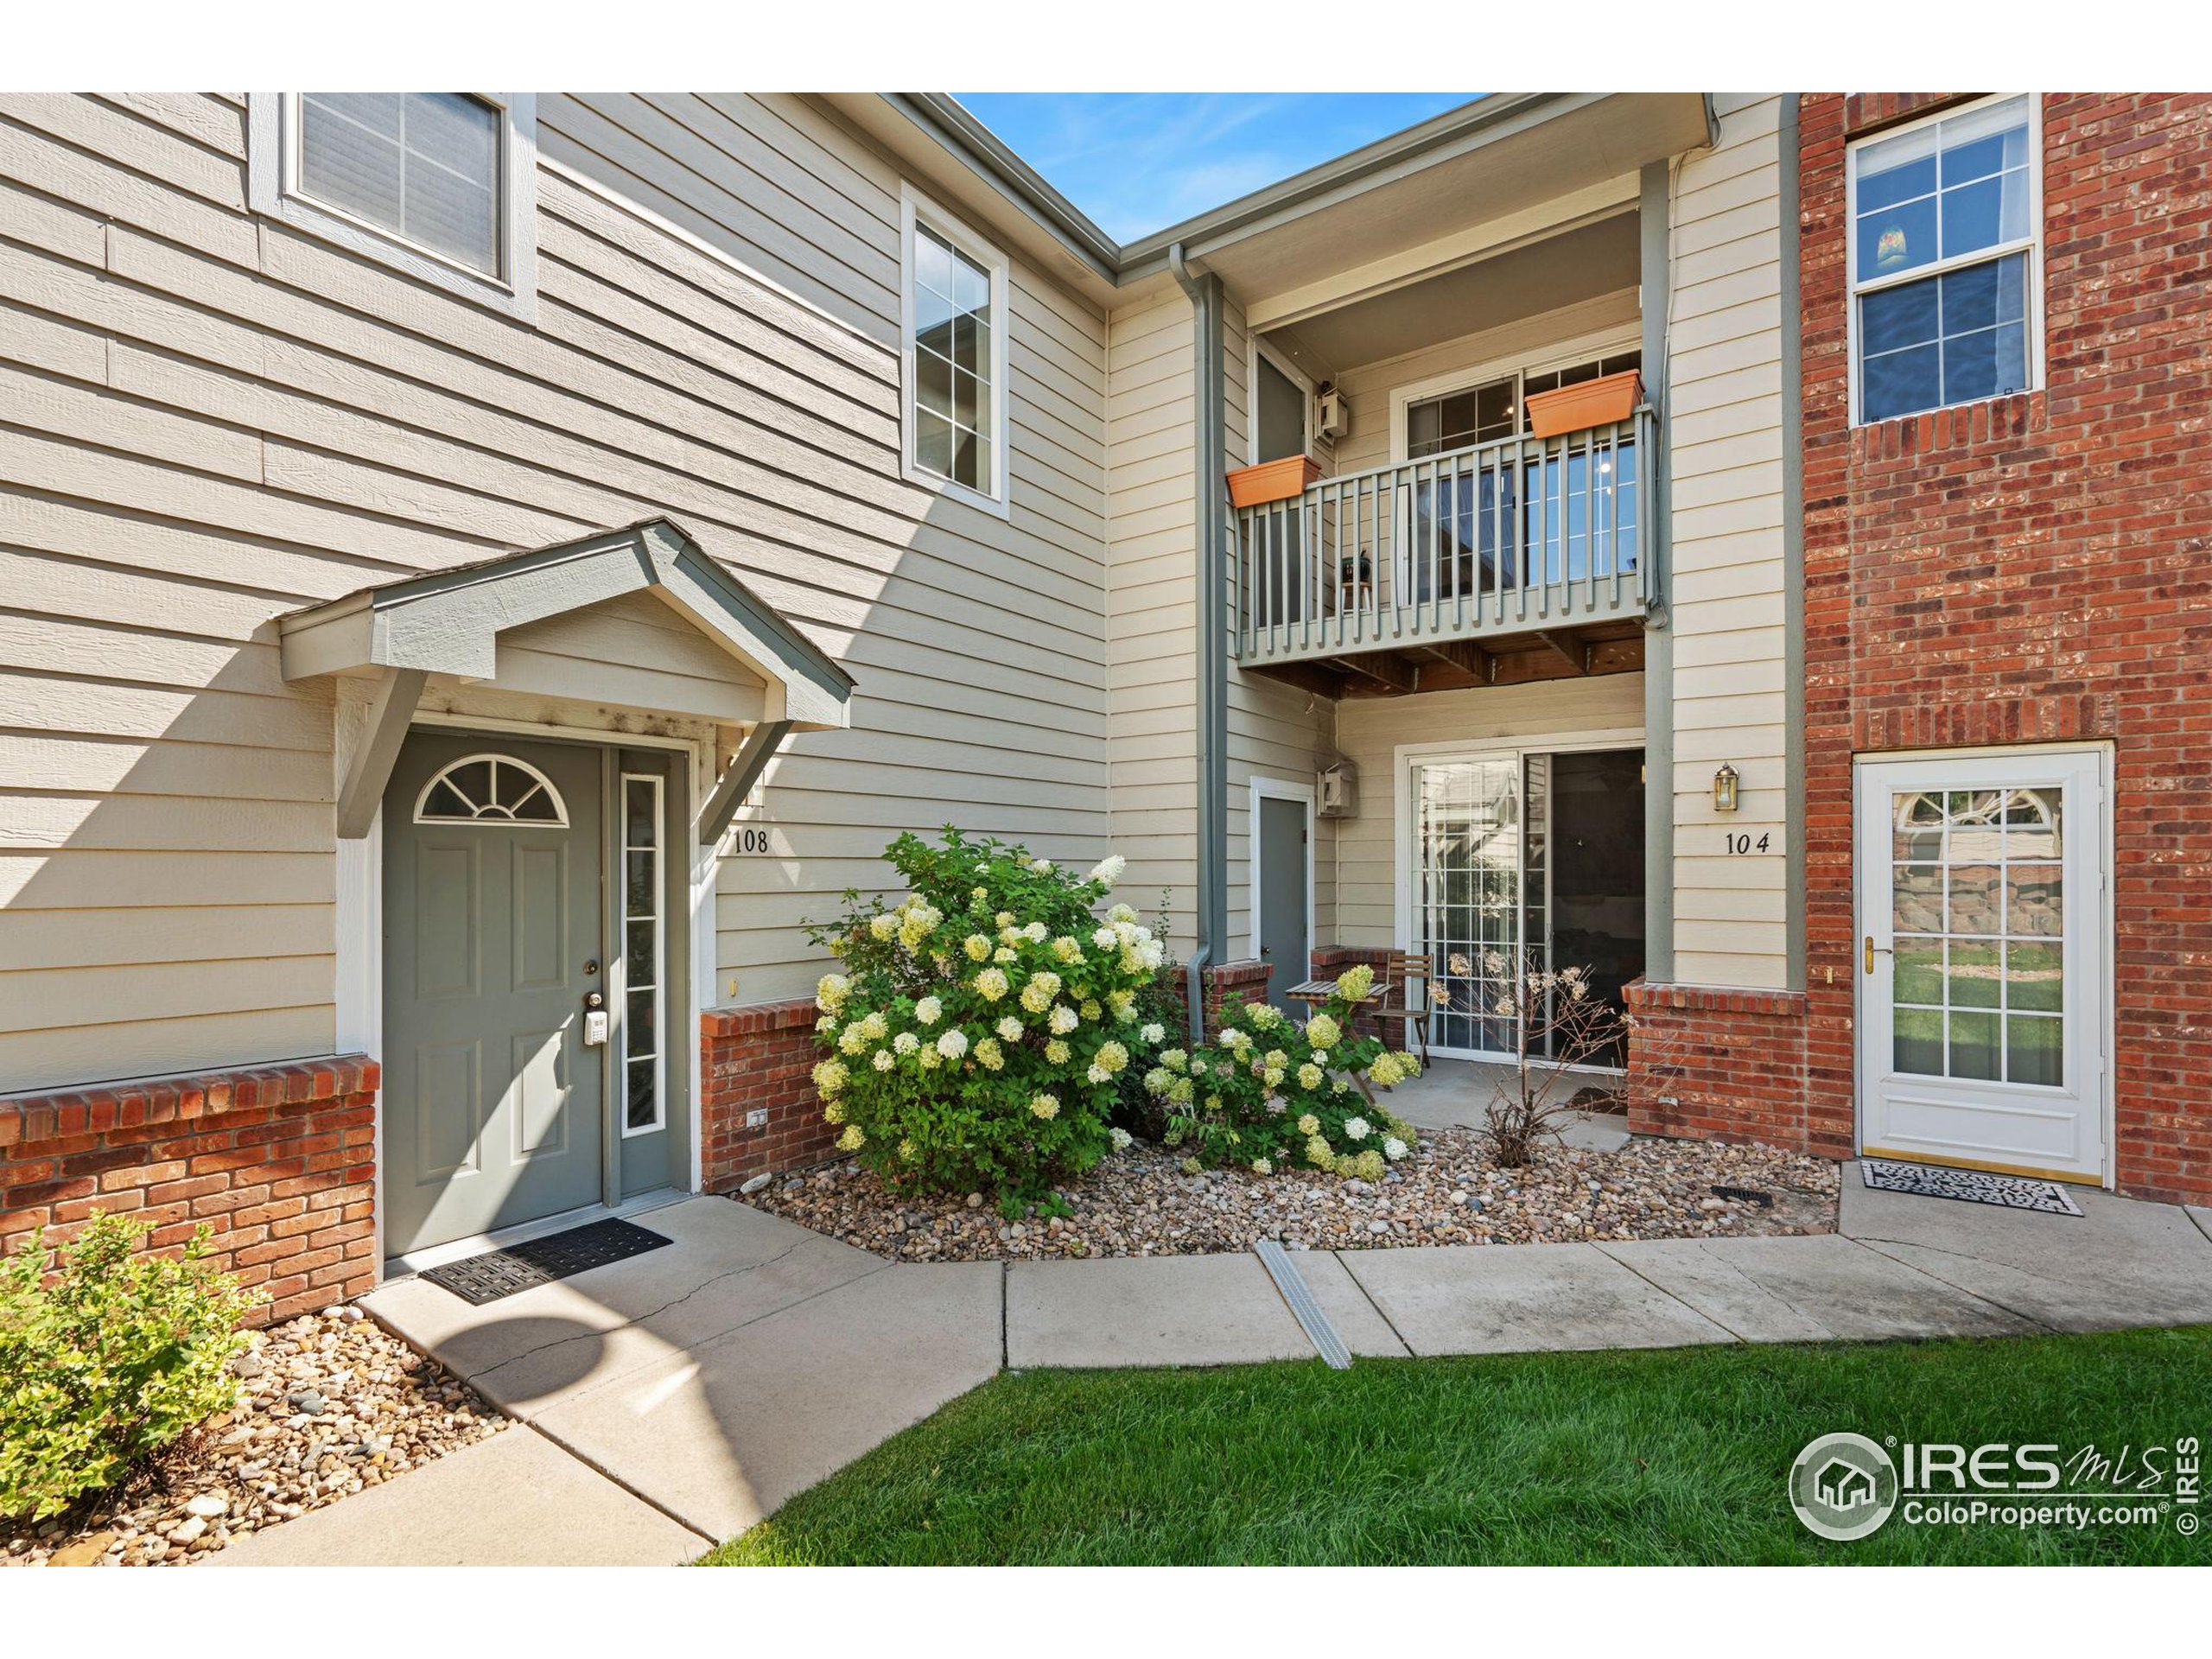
(486, 1278)
(1969, 1185)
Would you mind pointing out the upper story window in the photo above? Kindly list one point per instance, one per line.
(1495, 407)
(440, 185)
(1946, 221)
(955, 366)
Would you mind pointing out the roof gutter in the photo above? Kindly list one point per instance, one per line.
(976, 144)
(1211, 522)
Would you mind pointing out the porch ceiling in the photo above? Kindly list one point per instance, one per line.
(1566, 654)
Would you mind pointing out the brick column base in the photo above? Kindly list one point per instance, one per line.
(1706, 1061)
(759, 1058)
(1231, 982)
(278, 1160)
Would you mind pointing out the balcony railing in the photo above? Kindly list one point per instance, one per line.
(1515, 536)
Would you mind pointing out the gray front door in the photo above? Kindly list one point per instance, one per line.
(493, 928)
(1286, 935)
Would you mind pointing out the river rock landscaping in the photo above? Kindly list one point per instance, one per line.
(1142, 1202)
(331, 1404)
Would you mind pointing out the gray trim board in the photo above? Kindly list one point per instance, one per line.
(1656, 285)
(1793, 559)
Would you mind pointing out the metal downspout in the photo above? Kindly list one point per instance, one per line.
(1208, 397)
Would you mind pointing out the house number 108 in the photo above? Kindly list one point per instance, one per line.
(749, 841)
(1743, 843)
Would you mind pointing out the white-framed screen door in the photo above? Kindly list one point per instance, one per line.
(1982, 961)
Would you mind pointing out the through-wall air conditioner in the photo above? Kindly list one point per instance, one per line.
(1331, 420)
(1336, 791)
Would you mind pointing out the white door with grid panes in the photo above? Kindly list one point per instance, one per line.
(1983, 968)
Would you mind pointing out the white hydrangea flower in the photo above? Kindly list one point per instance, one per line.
(1040, 866)
(882, 1060)
(830, 991)
(1035, 932)
(1358, 1129)
(991, 985)
(1010, 1028)
(1105, 938)
(1108, 870)
(929, 1010)
(1122, 913)
(952, 1044)
(1056, 1051)
(1395, 1149)
(1154, 1033)
(1064, 1019)
(905, 1043)
(884, 925)
(1121, 1138)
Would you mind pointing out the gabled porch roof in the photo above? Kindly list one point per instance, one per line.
(772, 680)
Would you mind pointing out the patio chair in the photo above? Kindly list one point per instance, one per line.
(1399, 1002)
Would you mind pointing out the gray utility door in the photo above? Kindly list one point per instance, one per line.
(493, 939)
(1286, 930)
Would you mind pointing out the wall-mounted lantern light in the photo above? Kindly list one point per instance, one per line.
(1723, 789)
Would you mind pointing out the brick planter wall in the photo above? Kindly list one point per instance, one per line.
(1227, 981)
(2034, 568)
(279, 1160)
(759, 1058)
(1706, 1061)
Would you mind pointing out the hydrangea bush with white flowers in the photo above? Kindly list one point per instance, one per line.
(976, 1031)
(1271, 1092)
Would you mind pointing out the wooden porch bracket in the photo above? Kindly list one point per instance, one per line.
(745, 769)
(378, 746)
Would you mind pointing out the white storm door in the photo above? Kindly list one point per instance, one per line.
(1983, 973)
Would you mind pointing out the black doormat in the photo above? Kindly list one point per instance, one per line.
(1971, 1185)
(486, 1278)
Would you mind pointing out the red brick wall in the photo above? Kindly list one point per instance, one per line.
(279, 1160)
(1230, 981)
(1723, 1062)
(757, 1059)
(2035, 568)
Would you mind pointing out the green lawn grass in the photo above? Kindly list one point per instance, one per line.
(1654, 1457)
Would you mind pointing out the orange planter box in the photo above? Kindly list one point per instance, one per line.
(1273, 480)
(1594, 402)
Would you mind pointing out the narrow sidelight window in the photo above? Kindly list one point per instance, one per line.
(644, 913)
(1946, 226)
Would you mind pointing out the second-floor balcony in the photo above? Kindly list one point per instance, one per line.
(1522, 557)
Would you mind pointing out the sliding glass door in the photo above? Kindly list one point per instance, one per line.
(1518, 857)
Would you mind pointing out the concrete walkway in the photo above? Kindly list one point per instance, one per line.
(675, 1399)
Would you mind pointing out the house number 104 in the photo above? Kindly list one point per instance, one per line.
(1743, 843)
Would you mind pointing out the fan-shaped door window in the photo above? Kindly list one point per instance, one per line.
(492, 788)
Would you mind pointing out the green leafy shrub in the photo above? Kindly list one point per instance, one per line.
(1136, 1110)
(976, 1029)
(116, 1358)
(1270, 1092)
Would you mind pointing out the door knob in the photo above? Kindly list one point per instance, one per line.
(593, 1000)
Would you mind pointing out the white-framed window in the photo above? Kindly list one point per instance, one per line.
(953, 367)
(492, 788)
(441, 186)
(1278, 397)
(1452, 412)
(1946, 218)
(644, 910)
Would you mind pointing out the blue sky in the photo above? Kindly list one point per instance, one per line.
(1139, 161)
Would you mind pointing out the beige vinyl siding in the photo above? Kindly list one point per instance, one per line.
(1370, 847)
(211, 420)
(1724, 445)
(1150, 620)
